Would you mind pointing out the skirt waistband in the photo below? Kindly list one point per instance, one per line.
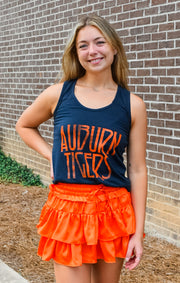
(86, 192)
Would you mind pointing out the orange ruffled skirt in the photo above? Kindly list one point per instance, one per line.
(82, 223)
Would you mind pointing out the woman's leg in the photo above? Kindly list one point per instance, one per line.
(67, 274)
(104, 272)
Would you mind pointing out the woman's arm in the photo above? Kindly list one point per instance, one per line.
(38, 112)
(138, 176)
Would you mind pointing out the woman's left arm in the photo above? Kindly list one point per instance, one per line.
(137, 172)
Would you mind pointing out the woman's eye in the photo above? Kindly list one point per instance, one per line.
(83, 46)
(100, 42)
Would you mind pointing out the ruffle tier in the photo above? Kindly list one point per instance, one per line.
(82, 223)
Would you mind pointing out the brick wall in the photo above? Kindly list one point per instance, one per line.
(33, 36)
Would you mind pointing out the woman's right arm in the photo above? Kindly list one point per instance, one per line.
(38, 112)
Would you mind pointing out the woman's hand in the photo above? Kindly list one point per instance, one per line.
(134, 252)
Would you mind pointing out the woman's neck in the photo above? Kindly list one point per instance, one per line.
(97, 82)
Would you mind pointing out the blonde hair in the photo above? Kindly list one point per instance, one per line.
(71, 67)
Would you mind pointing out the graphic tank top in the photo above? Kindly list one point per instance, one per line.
(89, 143)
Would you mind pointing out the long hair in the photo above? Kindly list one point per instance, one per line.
(72, 69)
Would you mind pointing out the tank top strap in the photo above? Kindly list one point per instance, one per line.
(124, 96)
(123, 99)
(67, 90)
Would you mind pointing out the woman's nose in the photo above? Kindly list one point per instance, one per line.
(92, 49)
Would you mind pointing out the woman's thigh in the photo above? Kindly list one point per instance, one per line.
(104, 272)
(67, 274)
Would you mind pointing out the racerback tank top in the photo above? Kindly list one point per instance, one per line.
(89, 144)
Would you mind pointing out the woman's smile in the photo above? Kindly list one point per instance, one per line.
(95, 60)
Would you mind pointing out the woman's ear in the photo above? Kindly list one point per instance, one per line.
(115, 51)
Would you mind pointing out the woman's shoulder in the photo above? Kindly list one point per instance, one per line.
(136, 101)
(51, 95)
(54, 90)
(138, 106)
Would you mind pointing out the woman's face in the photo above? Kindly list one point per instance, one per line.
(95, 54)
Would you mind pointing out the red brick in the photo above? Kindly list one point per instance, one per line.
(120, 2)
(116, 9)
(167, 62)
(174, 52)
(136, 47)
(172, 124)
(171, 175)
(157, 123)
(159, 19)
(165, 132)
(176, 168)
(158, 2)
(159, 72)
(177, 98)
(167, 8)
(177, 134)
(136, 14)
(151, 29)
(155, 156)
(151, 146)
(166, 81)
(144, 37)
(166, 98)
(123, 16)
(151, 130)
(136, 80)
(143, 21)
(173, 72)
(129, 7)
(151, 63)
(122, 33)
(173, 16)
(177, 80)
(158, 53)
(143, 89)
(166, 44)
(150, 97)
(177, 116)
(151, 11)
(136, 64)
(166, 27)
(98, 6)
(173, 34)
(143, 4)
(129, 39)
(144, 54)
(164, 149)
(151, 80)
(177, 151)
(157, 89)
(171, 159)
(87, 9)
(143, 72)
(156, 139)
(136, 30)
(129, 23)
(150, 163)
(159, 36)
(173, 89)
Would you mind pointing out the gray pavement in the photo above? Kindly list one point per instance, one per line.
(8, 275)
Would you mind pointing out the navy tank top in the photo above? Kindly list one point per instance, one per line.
(89, 143)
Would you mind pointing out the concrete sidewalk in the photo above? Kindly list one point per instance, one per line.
(8, 275)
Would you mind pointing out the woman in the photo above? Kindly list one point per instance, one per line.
(94, 216)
